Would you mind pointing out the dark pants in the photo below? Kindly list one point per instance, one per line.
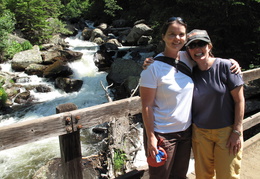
(178, 148)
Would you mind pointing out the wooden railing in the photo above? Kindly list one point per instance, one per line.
(30, 131)
(56, 125)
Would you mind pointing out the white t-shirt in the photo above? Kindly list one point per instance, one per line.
(174, 90)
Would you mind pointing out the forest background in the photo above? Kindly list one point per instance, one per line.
(233, 25)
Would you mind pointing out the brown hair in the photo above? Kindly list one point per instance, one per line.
(172, 20)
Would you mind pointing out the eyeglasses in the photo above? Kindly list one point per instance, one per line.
(194, 45)
(176, 19)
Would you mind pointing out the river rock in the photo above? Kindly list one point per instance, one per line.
(35, 69)
(57, 69)
(137, 32)
(48, 56)
(86, 33)
(121, 69)
(23, 97)
(71, 55)
(68, 85)
(22, 59)
(97, 33)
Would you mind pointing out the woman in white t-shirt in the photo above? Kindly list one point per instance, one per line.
(166, 96)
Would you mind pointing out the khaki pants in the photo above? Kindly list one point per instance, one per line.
(212, 156)
(178, 148)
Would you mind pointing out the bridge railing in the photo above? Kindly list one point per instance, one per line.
(65, 123)
(34, 130)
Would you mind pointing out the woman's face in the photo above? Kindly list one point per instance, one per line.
(199, 50)
(175, 36)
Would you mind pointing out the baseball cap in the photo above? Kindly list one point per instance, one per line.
(197, 34)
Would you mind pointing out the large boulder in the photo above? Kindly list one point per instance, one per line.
(124, 74)
(121, 69)
(57, 69)
(137, 32)
(86, 33)
(71, 55)
(48, 56)
(35, 69)
(96, 33)
(22, 59)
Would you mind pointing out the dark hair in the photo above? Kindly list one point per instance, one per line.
(171, 20)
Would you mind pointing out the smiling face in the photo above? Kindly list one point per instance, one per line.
(199, 51)
(175, 37)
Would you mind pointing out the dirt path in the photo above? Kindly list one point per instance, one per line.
(251, 158)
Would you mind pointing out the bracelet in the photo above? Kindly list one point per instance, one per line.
(237, 132)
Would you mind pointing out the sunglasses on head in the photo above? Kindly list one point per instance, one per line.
(197, 44)
(176, 19)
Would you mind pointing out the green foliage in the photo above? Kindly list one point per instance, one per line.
(111, 7)
(12, 48)
(119, 160)
(3, 97)
(26, 45)
(233, 25)
(7, 23)
(32, 18)
(57, 26)
(74, 9)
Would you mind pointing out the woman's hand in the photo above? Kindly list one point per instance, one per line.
(234, 143)
(152, 147)
(147, 62)
(235, 68)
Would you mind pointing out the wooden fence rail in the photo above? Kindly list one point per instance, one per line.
(34, 130)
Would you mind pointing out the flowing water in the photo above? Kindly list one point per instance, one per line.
(22, 162)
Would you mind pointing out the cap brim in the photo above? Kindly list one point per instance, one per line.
(202, 39)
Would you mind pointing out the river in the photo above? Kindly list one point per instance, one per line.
(22, 162)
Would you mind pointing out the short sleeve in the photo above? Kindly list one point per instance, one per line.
(233, 80)
(148, 77)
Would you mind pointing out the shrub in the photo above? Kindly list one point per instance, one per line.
(3, 97)
(26, 45)
(119, 160)
(12, 48)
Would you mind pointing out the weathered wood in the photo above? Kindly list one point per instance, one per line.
(251, 121)
(70, 146)
(71, 155)
(33, 130)
(251, 75)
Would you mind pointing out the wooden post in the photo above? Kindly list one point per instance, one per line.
(70, 147)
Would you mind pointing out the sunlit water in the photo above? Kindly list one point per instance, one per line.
(22, 162)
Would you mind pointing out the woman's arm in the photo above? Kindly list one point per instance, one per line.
(236, 139)
(147, 62)
(235, 68)
(147, 99)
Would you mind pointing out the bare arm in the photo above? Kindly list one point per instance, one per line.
(235, 68)
(235, 141)
(147, 98)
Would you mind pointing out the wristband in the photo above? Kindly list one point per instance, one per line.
(237, 132)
